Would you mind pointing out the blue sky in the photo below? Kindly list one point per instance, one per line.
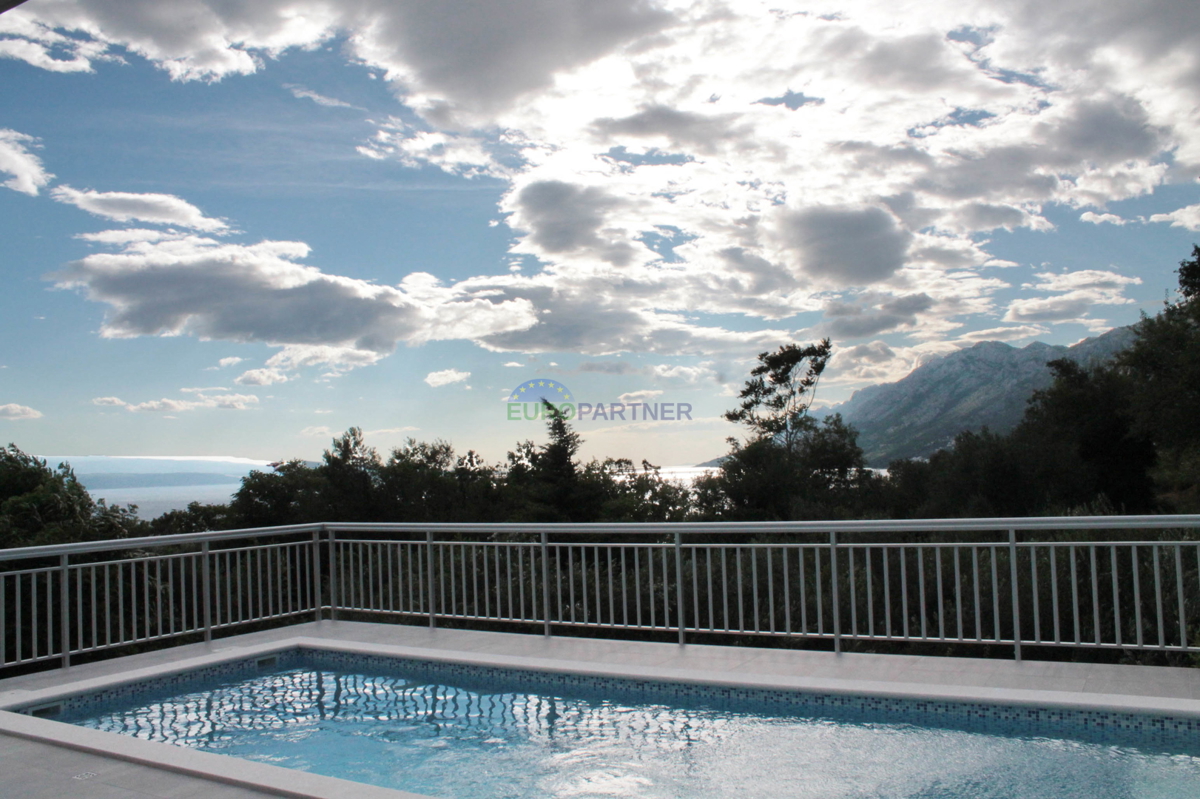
(240, 229)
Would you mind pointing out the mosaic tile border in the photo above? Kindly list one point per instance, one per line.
(1179, 733)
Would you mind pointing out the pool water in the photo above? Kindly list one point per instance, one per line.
(475, 739)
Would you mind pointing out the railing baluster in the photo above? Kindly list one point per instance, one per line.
(1075, 594)
(922, 600)
(1137, 593)
(64, 613)
(1016, 599)
(1116, 594)
(941, 601)
(958, 591)
(1158, 603)
(770, 591)
(1095, 596)
(754, 589)
(1037, 601)
(1183, 642)
(885, 552)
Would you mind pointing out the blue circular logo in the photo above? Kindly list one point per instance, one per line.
(540, 389)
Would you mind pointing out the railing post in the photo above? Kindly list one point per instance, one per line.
(833, 582)
(546, 584)
(206, 591)
(335, 587)
(679, 585)
(64, 595)
(429, 578)
(316, 574)
(1016, 600)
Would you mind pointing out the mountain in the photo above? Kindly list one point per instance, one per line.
(987, 385)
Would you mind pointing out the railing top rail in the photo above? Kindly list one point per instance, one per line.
(630, 528)
(758, 528)
(52, 550)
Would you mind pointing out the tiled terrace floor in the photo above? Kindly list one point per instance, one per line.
(47, 767)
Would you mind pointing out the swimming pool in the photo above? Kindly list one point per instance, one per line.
(469, 732)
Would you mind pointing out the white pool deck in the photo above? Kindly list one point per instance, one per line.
(46, 759)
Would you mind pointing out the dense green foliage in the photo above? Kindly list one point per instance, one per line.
(1122, 437)
(40, 505)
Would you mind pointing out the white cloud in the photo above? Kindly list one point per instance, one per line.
(30, 40)
(202, 287)
(14, 411)
(261, 377)
(445, 377)
(1186, 217)
(1102, 219)
(202, 400)
(515, 365)
(1013, 333)
(644, 395)
(302, 93)
(28, 174)
(131, 236)
(160, 209)
(1081, 291)
(693, 156)
(317, 431)
(230, 361)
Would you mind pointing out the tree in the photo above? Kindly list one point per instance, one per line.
(778, 394)
(1163, 365)
(40, 505)
(793, 467)
(1079, 443)
(543, 483)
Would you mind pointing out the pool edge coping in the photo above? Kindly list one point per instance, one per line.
(1131, 704)
(208, 766)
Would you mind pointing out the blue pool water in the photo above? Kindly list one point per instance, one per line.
(475, 733)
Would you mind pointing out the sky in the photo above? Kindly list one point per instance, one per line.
(238, 229)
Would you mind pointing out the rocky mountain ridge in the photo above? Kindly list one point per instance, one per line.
(987, 385)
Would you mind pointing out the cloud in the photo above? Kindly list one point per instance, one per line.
(845, 246)
(26, 169)
(653, 182)
(704, 133)
(445, 377)
(231, 361)
(639, 396)
(261, 377)
(1081, 291)
(29, 40)
(14, 412)
(565, 218)
(1102, 219)
(1003, 333)
(160, 209)
(515, 365)
(845, 320)
(1186, 217)
(233, 292)
(609, 367)
(874, 352)
(317, 431)
(302, 93)
(391, 430)
(202, 400)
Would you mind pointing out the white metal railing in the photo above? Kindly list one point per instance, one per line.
(891, 581)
